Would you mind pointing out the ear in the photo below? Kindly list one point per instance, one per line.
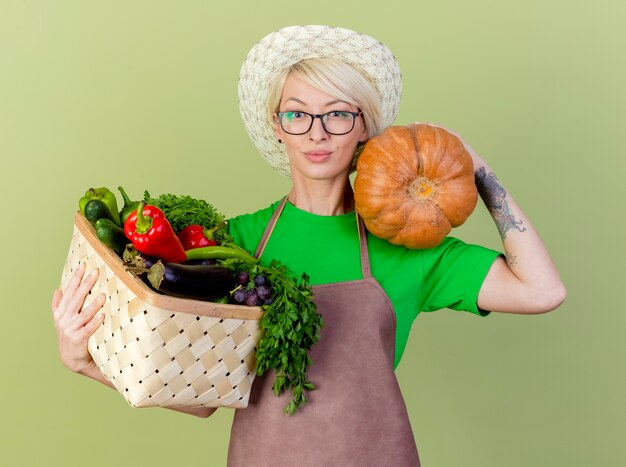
(277, 128)
(364, 136)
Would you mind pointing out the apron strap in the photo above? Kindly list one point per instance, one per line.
(269, 228)
(365, 259)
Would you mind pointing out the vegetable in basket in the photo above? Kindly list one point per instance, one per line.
(135, 260)
(151, 233)
(104, 195)
(182, 211)
(95, 209)
(111, 235)
(129, 206)
(291, 325)
(227, 251)
(197, 282)
(196, 236)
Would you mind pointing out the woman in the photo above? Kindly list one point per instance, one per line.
(310, 98)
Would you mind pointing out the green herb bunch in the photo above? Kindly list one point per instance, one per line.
(291, 326)
(182, 211)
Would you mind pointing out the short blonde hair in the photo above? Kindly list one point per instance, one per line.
(338, 79)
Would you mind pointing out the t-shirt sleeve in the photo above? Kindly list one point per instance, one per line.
(454, 272)
(247, 229)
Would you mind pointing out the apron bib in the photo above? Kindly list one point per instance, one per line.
(356, 416)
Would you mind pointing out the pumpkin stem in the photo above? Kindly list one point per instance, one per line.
(422, 189)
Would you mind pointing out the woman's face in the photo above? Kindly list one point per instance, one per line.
(317, 154)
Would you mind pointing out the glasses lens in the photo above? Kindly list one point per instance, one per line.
(295, 123)
(338, 123)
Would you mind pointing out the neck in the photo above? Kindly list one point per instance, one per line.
(323, 197)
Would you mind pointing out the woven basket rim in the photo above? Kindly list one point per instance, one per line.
(141, 290)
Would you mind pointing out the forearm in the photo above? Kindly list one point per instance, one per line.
(202, 412)
(534, 285)
(93, 372)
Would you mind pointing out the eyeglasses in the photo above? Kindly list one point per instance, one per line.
(334, 123)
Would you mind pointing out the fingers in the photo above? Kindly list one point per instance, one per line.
(452, 132)
(68, 303)
(78, 327)
(437, 125)
(88, 312)
(56, 299)
(90, 326)
(76, 297)
(85, 287)
(62, 304)
(77, 277)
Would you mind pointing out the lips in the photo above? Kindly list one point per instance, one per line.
(318, 156)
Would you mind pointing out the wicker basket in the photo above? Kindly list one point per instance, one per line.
(164, 351)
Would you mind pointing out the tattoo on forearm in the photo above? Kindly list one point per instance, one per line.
(494, 196)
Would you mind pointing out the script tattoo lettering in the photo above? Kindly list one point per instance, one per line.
(494, 196)
(510, 259)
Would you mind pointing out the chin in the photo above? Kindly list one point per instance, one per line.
(319, 173)
(328, 170)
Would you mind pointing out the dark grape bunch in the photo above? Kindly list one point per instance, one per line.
(252, 291)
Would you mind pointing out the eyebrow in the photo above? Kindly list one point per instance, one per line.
(337, 101)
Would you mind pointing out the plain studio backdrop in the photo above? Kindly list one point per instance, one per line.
(143, 94)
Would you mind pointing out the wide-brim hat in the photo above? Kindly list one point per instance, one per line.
(281, 49)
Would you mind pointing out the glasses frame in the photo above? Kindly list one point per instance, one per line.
(321, 117)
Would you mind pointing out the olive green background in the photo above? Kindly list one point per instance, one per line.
(144, 94)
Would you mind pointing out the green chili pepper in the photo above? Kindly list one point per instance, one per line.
(220, 252)
(129, 206)
(104, 195)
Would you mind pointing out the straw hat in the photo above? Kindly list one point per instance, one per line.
(283, 48)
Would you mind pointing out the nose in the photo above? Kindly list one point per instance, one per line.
(317, 131)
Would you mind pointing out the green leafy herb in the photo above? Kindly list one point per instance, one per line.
(291, 326)
(182, 211)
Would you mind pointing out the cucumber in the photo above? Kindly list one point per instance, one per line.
(111, 235)
(96, 209)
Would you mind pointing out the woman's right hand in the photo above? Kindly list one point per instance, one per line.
(75, 324)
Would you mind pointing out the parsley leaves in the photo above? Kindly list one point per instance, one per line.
(291, 326)
(182, 211)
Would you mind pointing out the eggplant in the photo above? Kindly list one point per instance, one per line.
(201, 261)
(194, 281)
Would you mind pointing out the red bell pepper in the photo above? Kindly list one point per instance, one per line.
(151, 234)
(196, 236)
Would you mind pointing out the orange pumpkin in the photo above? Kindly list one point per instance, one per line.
(413, 184)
